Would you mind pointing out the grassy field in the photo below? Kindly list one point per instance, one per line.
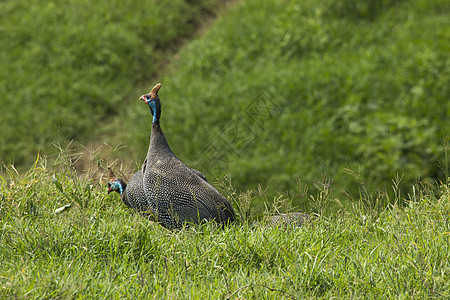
(97, 248)
(69, 67)
(354, 92)
(338, 109)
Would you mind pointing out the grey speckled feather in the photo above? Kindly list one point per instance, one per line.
(175, 192)
(134, 195)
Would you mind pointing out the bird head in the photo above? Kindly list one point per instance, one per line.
(115, 184)
(152, 99)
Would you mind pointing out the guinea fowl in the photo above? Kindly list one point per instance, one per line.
(132, 194)
(176, 193)
(165, 189)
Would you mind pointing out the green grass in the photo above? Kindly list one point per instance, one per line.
(354, 92)
(69, 67)
(310, 97)
(98, 248)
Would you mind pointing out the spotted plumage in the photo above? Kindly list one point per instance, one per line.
(165, 188)
(177, 193)
(132, 194)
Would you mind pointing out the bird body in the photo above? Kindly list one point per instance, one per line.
(167, 189)
(132, 194)
(177, 193)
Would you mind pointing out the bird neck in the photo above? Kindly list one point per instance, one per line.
(158, 141)
(122, 187)
(155, 108)
(155, 119)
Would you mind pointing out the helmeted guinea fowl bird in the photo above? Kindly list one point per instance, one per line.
(132, 194)
(165, 188)
(176, 193)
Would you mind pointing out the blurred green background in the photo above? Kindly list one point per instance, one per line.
(267, 92)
